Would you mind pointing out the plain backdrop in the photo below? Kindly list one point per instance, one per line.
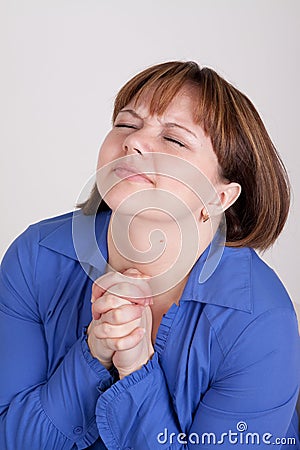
(62, 63)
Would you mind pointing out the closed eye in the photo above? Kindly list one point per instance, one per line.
(125, 125)
(175, 141)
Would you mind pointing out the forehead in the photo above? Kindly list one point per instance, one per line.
(181, 104)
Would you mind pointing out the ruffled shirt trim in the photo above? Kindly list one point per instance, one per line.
(164, 329)
(105, 416)
(89, 438)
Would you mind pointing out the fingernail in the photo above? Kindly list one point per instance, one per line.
(93, 299)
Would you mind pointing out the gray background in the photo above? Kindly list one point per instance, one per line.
(62, 62)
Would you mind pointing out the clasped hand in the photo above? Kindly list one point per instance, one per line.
(120, 332)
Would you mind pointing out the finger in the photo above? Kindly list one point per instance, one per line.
(131, 292)
(108, 331)
(126, 342)
(102, 283)
(106, 303)
(111, 280)
(123, 314)
(124, 291)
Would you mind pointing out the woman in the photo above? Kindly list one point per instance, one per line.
(188, 343)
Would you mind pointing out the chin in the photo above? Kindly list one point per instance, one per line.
(125, 198)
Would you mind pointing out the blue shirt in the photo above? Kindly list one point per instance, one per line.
(225, 368)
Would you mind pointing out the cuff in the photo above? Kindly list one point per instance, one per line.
(116, 414)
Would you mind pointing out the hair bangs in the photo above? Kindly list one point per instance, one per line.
(160, 86)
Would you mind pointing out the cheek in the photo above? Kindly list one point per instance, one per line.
(184, 193)
(195, 185)
(101, 158)
(207, 163)
(109, 151)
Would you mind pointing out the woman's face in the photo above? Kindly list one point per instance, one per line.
(172, 138)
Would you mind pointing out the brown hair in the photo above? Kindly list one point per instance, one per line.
(244, 149)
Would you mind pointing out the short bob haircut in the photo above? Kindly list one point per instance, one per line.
(243, 147)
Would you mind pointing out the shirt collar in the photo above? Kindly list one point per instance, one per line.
(228, 285)
(73, 235)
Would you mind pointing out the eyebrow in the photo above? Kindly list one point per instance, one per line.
(131, 111)
(167, 124)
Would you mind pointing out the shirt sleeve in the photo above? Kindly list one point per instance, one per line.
(252, 398)
(37, 412)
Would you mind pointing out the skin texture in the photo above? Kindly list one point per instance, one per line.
(126, 320)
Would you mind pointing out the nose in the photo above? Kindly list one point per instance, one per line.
(131, 150)
(137, 142)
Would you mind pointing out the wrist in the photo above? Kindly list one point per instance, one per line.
(125, 372)
(107, 364)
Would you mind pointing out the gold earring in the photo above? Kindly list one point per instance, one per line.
(205, 217)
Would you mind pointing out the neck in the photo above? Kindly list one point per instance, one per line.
(164, 250)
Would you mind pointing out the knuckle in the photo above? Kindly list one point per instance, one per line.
(111, 300)
(110, 344)
(108, 297)
(119, 345)
(97, 332)
(117, 315)
(106, 328)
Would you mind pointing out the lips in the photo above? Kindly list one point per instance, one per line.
(131, 173)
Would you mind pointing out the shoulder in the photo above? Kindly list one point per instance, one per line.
(244, 282)
(18, 281)
(35, 232)
(54, 246)
(22, 257)
(268, 291)
(56, 234)
(244, 296)
(23, 251)
(32, 262)
(50, 224)
(44, 228)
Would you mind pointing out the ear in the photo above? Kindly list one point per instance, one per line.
(225, 195)
(228, 194)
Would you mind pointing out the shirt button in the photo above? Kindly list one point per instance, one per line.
(77, 430)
